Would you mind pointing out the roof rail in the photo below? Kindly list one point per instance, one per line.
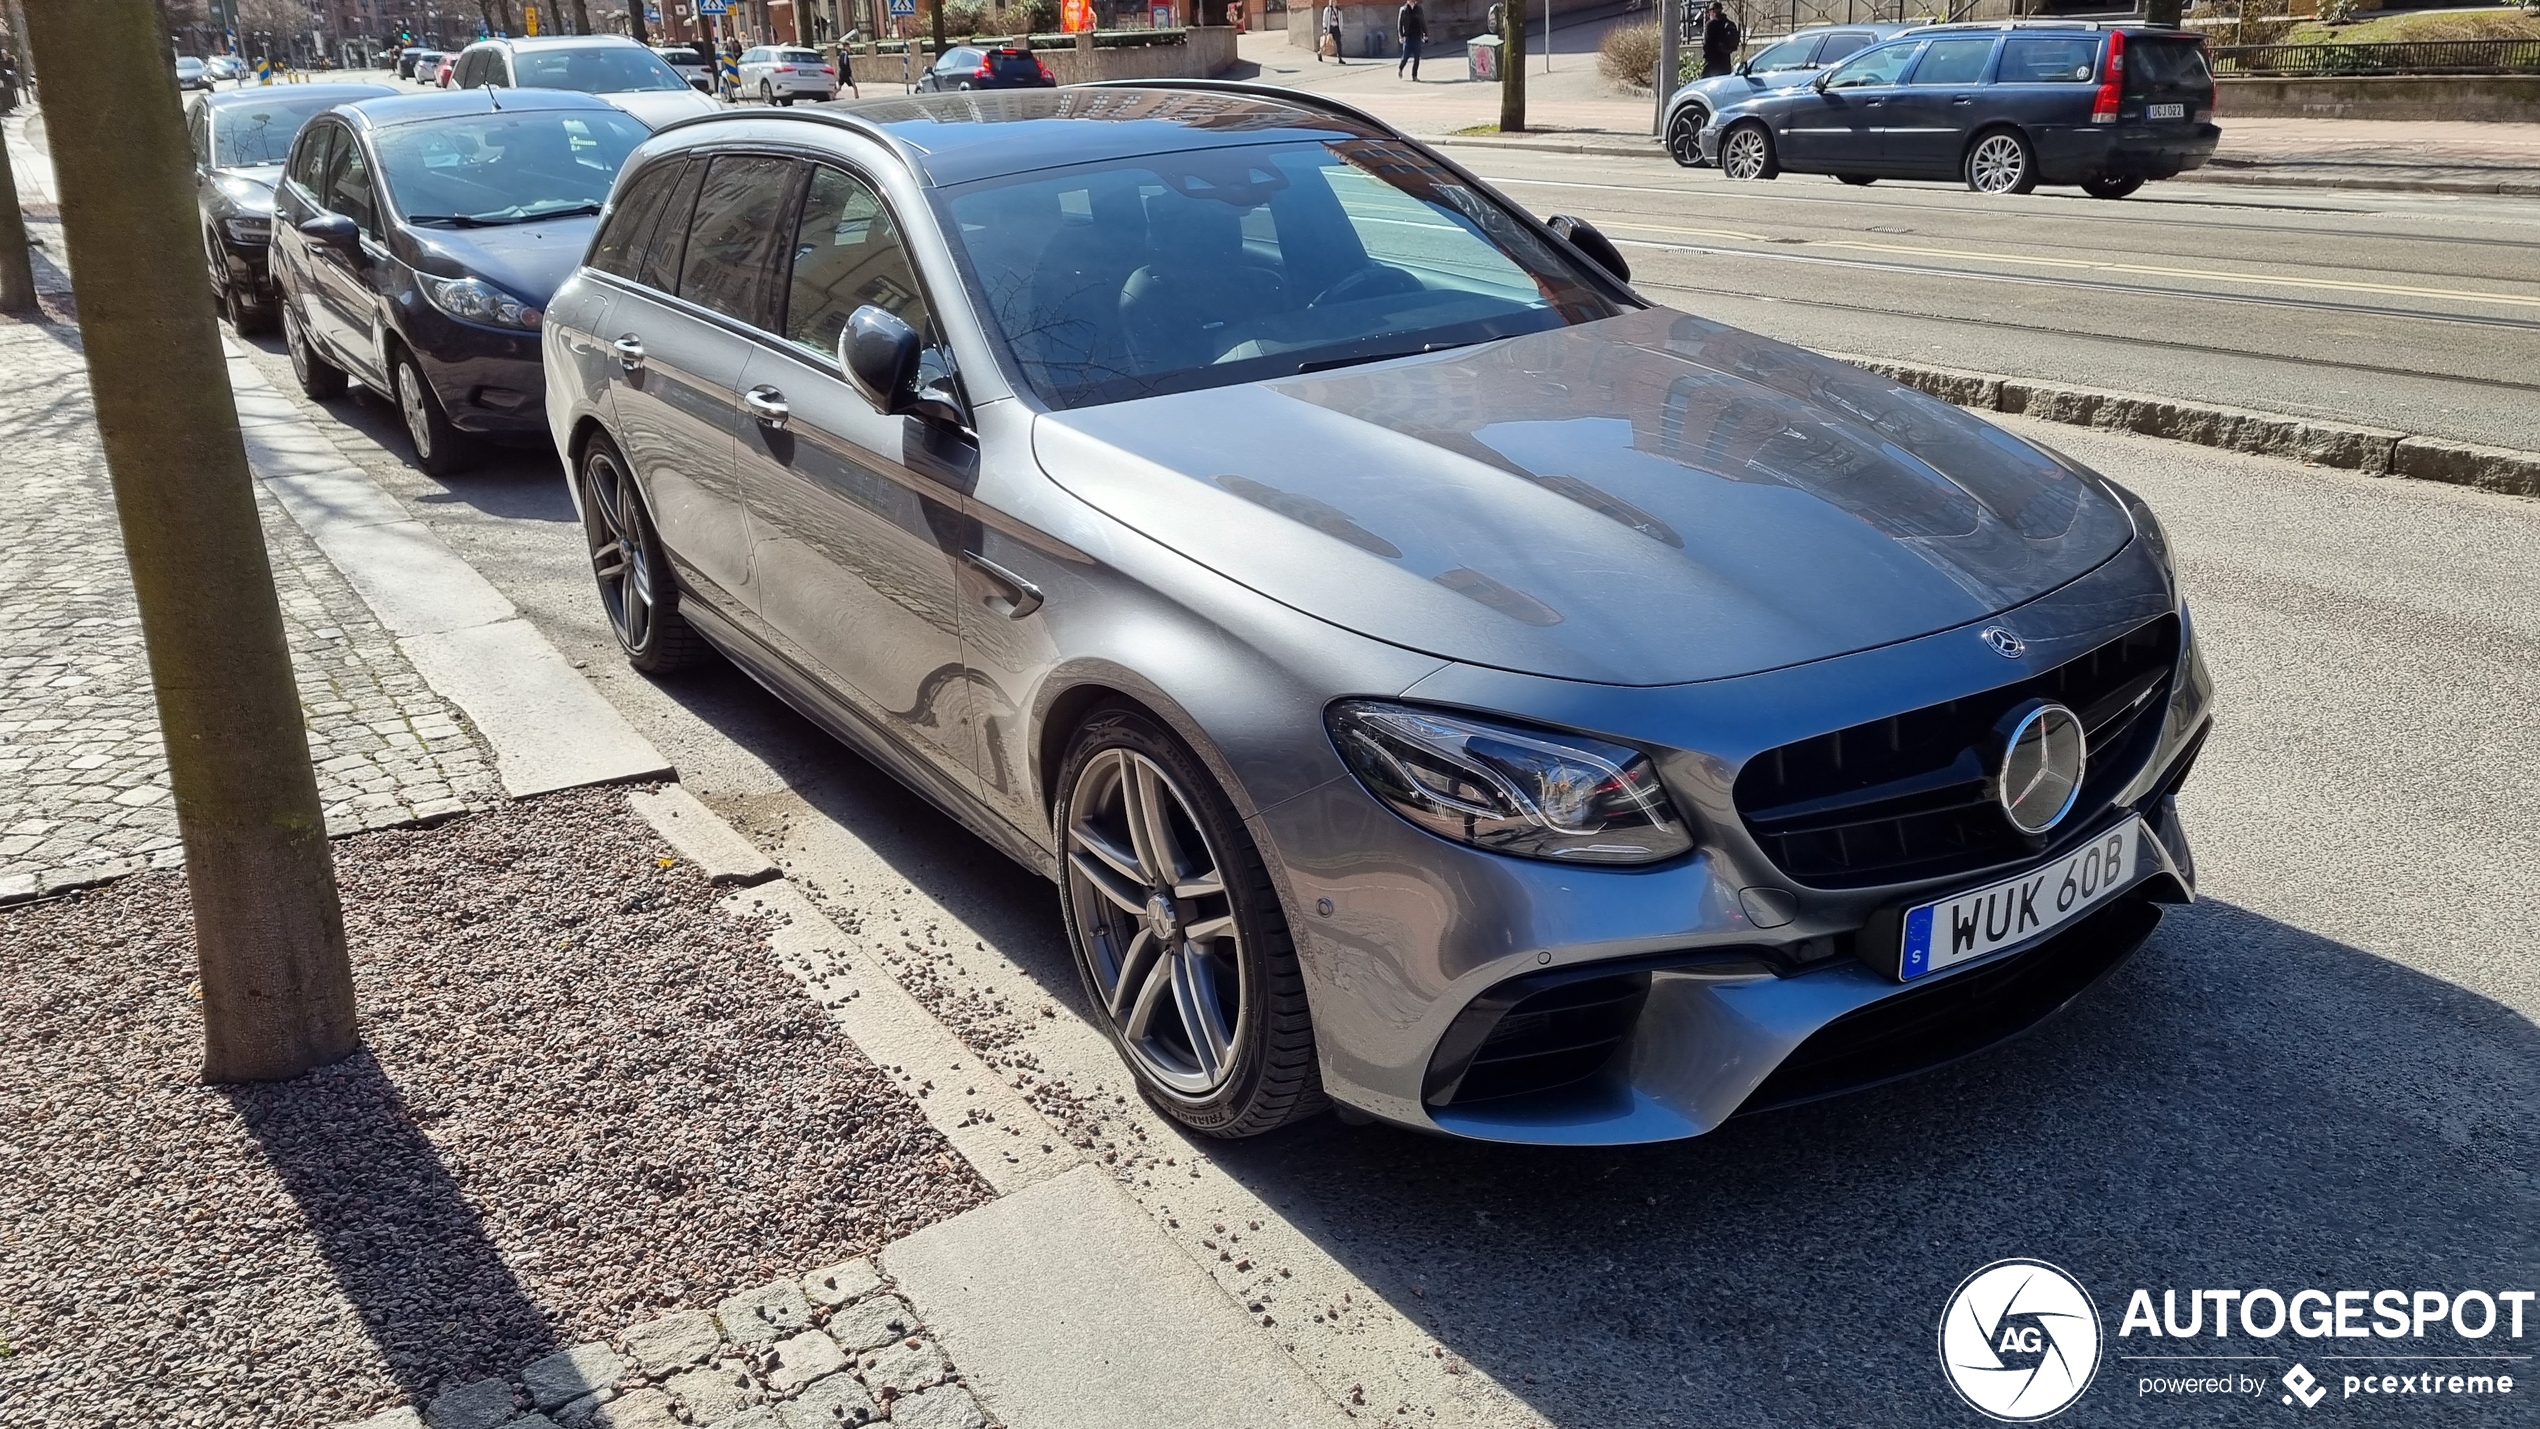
(822, 115)
(2030, 24)
(1300, 98)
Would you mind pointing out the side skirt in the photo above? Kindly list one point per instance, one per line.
(848, 725)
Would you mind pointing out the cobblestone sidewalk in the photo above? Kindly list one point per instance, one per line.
(836, 1347)
(83, 774)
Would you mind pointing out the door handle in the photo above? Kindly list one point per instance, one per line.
(768, 405)
(630, 351)
(1964, 99)
(1017, 598)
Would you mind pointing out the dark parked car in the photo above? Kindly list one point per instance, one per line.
(987, 67)
(240, 139)
(418, 238)
(2004, 107)
(1437, 678)
(1779, 65)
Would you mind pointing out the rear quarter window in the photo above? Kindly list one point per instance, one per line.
(1841, 44)
(2049, 59)
(2156, 63)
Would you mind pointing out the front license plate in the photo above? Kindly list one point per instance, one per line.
(2001, 915)
(2168, 111)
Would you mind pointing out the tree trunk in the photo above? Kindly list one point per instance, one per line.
(581, 17)
(1512, 71)
(17, 269)
(2163, 12)
(268, 931)
(635, 21)
(936, 8)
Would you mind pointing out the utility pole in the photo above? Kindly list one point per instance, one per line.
(635, 22)
(1670, 60)
(1512, 62)
(277, 986)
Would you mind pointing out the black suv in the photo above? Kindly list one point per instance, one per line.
(2004, 106)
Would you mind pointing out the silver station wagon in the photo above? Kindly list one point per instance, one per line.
(1440, 682)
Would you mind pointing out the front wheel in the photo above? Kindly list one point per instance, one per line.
(1178, 932)
(1684, 135)
(627, 561)
(2111, 186)
(2001, 163)
(1746, 152)
(440, 448)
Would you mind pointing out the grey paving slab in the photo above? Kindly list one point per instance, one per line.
(549, 729)
(1065, 1306)
(706, 840)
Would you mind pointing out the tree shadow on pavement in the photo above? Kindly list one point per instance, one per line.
(2246, 1104)
(396, 1228)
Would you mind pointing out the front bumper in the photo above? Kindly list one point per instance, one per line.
(491, 381)
(1711, 1003)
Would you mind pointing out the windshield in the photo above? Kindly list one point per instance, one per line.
(260, 133)
(1789, 54)
(1171, 272)
(596, 69)
(189, 65)
(505, 168)
(680, 57)
(798, 57)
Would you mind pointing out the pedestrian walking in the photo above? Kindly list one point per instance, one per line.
(1720, 39)
(1235, 15)
(1331, 33)
(1412, 23)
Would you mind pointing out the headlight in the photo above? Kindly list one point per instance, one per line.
(477, 301)
(1511, 790)
(249, 230)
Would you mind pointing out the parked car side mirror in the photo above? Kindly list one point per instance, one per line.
(1745, 67)
(333, 230)
(1592, 245)
(879, 353)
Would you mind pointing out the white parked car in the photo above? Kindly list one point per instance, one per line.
(613, 67)
(691, 66)
(781, 74)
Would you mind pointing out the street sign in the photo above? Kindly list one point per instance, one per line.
(903, 7)
(530, 18)
(714, 7)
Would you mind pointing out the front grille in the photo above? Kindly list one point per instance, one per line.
(1535, 1035)
(1910, 797)
(1957, 1015)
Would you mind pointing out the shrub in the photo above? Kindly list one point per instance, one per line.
(1037, 16)
(1628, 55)
(961, 19)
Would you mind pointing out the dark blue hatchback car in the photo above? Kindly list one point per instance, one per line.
(2004, 107)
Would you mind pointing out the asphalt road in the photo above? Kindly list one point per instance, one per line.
(2417, 312)
(2324, 1074)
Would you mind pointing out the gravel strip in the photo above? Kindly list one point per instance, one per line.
(586, 1096)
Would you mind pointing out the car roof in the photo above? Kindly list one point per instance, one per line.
(557, 42)
(339, 93)
(956, 138)
(403, 108)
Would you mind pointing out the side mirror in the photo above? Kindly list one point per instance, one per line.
(879, 353)
(1745, 68)
(1819, 83)
(1594, 246)
(334, 230)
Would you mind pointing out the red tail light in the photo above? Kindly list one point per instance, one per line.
(1046, 76)
(2103, 110)
(983, 71)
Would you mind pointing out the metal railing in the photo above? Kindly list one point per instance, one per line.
(2401, 57)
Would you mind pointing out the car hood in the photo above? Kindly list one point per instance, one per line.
(657, 107)
(1650, 499)
(249, 187)
(532, 260)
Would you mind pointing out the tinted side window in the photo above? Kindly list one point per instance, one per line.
(620, 249)
(847, 253)
(1789, 54)
(740, 224)
(308, 163)
(667, 240)
(198, 134)
(1872, 67)
(1954, 61)
(2044, 59)
(349, 190)
(1841, 45)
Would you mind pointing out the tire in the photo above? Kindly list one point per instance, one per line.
(1858, 181)
(1684, 135)
(322, 380)
(785, 100)
(963, 87)
(627, 562)
(245, 318)
(2000, 161)
(1161, 994)
(1746, 152)
(440, 449)
(2111, 186)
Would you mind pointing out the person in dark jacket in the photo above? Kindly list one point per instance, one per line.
(1719, 40)
(1412, 23)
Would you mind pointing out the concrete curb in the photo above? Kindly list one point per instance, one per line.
(1612, 146)
(2374, 451)
(548, 728)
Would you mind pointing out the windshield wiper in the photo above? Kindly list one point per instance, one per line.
(1325, 364)
(455, 220)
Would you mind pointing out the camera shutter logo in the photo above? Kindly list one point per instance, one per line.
(2019, 1341)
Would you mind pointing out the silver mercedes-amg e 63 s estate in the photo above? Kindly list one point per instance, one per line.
(1438, 679)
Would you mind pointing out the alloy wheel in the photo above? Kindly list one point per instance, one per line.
(618, 552)
(1997, 165)
(1151, 904)
(410, 403)
(1684, 137)
(1742, 155)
